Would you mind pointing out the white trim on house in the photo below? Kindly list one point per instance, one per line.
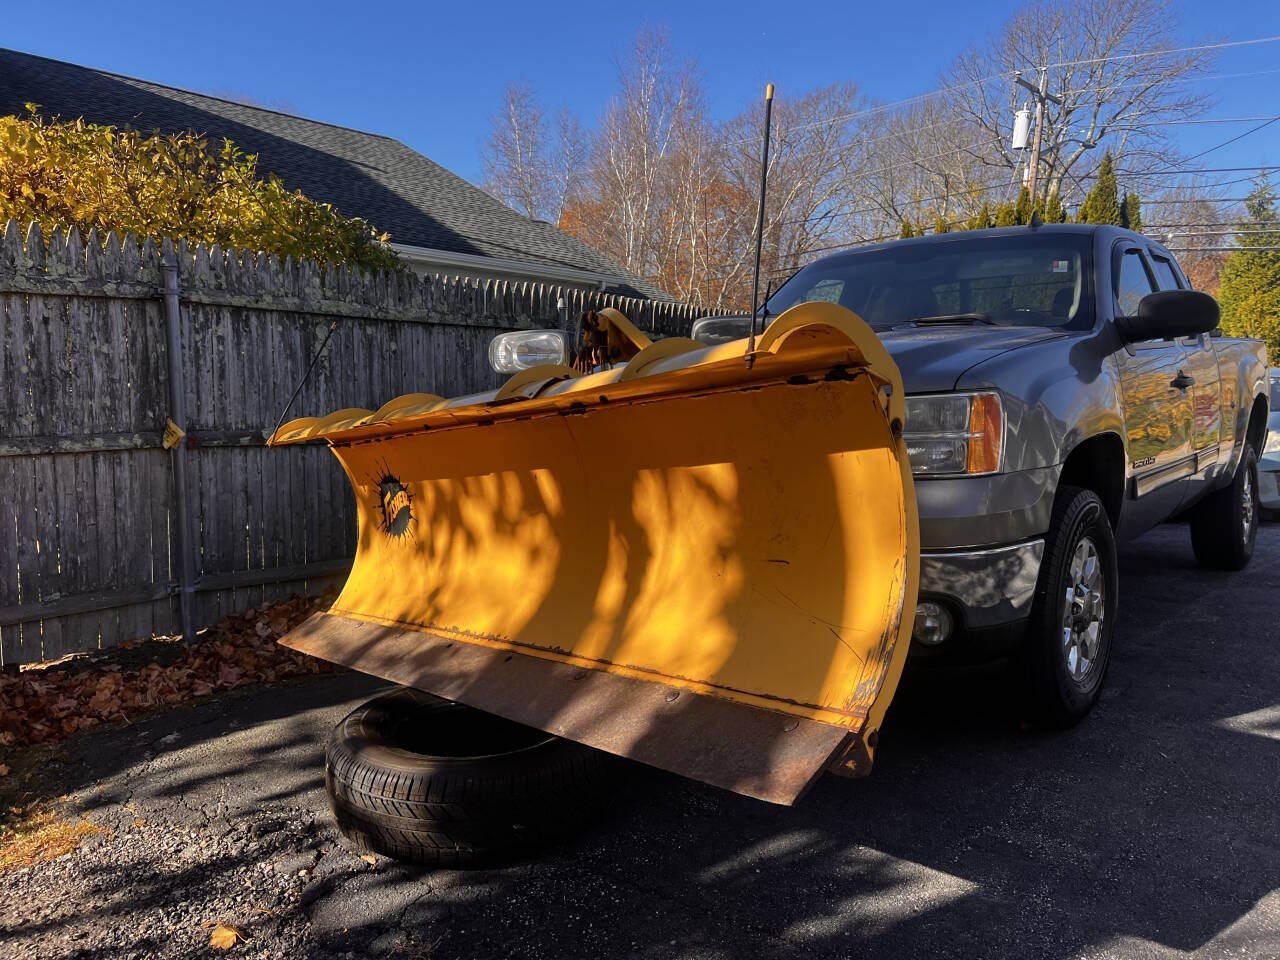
(429, 257)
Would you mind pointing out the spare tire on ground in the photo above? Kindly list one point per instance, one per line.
(430, 781)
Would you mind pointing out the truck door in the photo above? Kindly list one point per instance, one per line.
(1200, 363)
(1157, 405)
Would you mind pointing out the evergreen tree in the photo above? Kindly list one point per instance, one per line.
(1131, 213)
(1006, 216)
(1022, 209)
(980, 219)
(1250, 291)
(1102, 205)
(940, 225)
(1053, 211)
(907, 232)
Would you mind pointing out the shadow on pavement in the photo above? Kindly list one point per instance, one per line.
(1150, 829)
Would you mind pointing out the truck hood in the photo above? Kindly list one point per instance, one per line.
(932, 359)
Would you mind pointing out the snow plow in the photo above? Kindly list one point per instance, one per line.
(703, 558)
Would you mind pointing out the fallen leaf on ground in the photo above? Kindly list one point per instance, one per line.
(39, 835)
(225, 936)
(139, 823)
(370, 859)
(48, 703)
(4, 769)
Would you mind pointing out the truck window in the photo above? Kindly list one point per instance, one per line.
(1016, 280)
(1132, 283)
(1165, 274)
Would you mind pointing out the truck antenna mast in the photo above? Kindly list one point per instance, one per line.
(764, 179)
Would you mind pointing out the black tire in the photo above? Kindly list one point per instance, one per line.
(1062, 689)
(1224, 525)
(433, 782)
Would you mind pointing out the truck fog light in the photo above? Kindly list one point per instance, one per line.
(934, 624)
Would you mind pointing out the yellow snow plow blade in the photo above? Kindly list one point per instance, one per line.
(702, 560)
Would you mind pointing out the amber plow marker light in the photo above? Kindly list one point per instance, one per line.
(701, 563)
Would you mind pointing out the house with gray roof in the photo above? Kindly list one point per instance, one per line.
(438, 222)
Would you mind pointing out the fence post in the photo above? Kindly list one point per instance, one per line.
(178, 414)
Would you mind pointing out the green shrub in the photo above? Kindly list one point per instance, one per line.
(76, 173)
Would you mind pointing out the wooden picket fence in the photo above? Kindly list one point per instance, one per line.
(90, 522)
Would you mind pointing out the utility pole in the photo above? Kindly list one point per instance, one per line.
(1042, 95)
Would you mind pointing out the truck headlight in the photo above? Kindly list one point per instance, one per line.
(522, 349)
(955, 433)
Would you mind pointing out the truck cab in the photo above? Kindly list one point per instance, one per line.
(1046, 365)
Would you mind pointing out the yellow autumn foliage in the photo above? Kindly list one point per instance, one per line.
(75, 173)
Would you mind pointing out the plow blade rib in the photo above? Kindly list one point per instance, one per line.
(707, 565)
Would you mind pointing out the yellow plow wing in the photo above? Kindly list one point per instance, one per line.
(699, 562)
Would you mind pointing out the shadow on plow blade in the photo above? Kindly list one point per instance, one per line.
(696, 562)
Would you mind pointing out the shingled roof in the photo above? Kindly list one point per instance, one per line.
(417, 201)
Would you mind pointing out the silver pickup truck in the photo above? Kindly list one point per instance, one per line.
(1067, 389)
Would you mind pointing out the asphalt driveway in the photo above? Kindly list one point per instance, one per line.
(1151, 830)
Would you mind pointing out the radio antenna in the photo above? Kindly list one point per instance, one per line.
(764, 178)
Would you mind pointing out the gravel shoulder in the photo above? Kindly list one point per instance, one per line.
(1151, 831)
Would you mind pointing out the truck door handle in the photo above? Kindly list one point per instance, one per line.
(1181, 381)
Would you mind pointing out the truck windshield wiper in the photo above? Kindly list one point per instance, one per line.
(943, 318)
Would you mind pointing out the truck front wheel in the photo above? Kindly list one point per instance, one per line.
(1068, 645)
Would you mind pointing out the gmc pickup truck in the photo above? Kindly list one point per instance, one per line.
(1066, 390)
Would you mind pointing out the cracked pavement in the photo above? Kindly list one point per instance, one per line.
(1152, 830)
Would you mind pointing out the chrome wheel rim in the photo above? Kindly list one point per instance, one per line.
(1246, 505)
(1083, 610)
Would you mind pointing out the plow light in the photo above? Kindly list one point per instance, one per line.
(525, 349)
(713, 330)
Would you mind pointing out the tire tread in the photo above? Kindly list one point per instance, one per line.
(459, 813)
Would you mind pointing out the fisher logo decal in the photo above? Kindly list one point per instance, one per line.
(397, 505)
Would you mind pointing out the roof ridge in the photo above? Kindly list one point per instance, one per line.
(197, 93)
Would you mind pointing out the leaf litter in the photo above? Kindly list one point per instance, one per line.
(49, 703)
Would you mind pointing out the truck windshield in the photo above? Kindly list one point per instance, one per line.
(1022, 280)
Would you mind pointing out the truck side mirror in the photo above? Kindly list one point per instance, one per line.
(1170, 313)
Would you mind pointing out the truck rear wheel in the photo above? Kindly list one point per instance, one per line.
(426, 780)
(1067, 649)
(1224, 525)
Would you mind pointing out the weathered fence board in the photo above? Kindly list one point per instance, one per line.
(88, 512)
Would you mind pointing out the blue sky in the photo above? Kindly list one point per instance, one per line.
(431, 75)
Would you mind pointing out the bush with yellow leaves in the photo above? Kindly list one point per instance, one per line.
(75, 173)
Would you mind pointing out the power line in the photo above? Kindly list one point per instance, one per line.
(1225, 143)
(1268, 249)
(1165, 123)
(928, 95)
(1130, 173)
(1215, 223)
(1157, 201)
(1158, 53)
(982, 188)
(1162, 230)
(1261, 168)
